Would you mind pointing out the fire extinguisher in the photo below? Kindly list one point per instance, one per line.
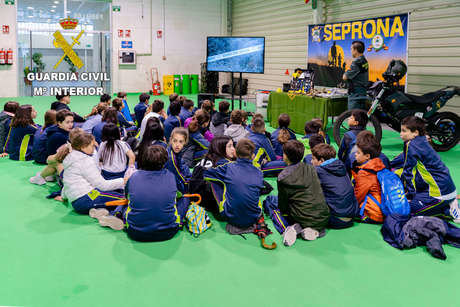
(9, 57)
(2, 57)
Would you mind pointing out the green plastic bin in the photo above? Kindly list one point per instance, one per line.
(186, 84)
(194, 84)
(177, 84)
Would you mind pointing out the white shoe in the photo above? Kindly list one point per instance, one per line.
(50, 178)
(455, 211)
(98, 213)
(290, 234)
(112, 222)
(309, 234)
(37, 179)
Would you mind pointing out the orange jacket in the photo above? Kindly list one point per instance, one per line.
(367, 182)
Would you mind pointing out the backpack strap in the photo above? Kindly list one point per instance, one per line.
(361, 212)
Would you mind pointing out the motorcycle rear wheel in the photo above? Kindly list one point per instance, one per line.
(444, 130)
(341, 126)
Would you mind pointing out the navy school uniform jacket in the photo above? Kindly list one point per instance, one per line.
(180, 171)
(241, 182)
(184, 114)
(277, 146)
(122, 121)
(139, 111)
(337, 188)
(97, 131)
(264, 149)
(424, 172)
(160, 143)
(39, 150)
(19, 142)
(170, 123)
(348, 141)
(5, 120)
(197, 143)
(56, 137)
(152, 201)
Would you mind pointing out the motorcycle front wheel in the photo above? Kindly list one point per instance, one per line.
(444, 130)
(341, 126)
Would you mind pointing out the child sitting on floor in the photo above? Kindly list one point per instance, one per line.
(197, 145)
(283, 134)
(239, 184)
(427, 181)
(141, 107)
(356, 122)
(20, 139)
(368, 192)
(114, 155)
(110, 116)
(84, 186)
(236, 130)
(156, 109)
(186, 110)
(179, 138)
(6, 116)
(336, 186)
(300, 197)
(315, 126)
(119, 105)
(39, 150)
(173, 120)
(126, 111)
(314, 140)
(154, 213)
(220, 120)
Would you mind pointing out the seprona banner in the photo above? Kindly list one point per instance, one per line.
(329, 46)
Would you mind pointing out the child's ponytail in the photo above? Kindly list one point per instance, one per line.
(110, 134)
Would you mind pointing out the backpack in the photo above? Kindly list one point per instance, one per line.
(394, 199)
(197, 219)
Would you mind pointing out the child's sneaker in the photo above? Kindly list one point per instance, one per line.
(309, 234)
(112, 222)
(290, 234)
(50, 178)
(455, 211)
(98, 213)
(37, 179)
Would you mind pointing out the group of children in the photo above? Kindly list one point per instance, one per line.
(146, 157)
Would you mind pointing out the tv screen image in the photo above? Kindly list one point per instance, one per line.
(236, 54)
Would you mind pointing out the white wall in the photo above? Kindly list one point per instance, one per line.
(185, 25)
(8, 73)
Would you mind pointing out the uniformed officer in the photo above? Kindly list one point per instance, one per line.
(357, 77)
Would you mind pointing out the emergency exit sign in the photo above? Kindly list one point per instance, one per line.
(9, 2)
(116, 8)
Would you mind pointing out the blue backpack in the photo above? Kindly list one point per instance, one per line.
(394, 199)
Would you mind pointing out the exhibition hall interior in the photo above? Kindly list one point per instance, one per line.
(230, 152)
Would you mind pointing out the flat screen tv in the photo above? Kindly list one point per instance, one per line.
(236, 54)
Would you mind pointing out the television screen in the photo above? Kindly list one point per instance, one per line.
(236, 54)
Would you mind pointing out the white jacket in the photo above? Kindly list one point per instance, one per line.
(81, 176)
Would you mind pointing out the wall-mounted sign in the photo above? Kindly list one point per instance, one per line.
(116, 8)
(120, 33)
(127, 44)
(9, 2)
(127, 33)
(6, 29)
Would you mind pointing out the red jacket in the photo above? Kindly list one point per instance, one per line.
(367, 182)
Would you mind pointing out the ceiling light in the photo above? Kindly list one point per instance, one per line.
(30, 8)
(52, 11)
(30, 16)
(56, 2)
(53, 6)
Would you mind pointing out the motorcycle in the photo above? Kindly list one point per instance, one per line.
(390, 106)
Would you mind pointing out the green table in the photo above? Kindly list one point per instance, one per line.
(302, 108)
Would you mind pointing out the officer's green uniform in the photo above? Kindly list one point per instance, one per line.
(357, 77)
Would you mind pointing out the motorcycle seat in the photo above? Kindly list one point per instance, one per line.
(425, 99)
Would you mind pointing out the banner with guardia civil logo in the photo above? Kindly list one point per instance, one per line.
(329, 46)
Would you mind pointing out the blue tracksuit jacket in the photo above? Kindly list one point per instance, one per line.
(139, 111)
(337, 188)
(195, 149)
(39, 150)
(241, 183)
(277, 146)
(180, 171)
(152, 201)
(264, 149)
(184, 114)
(56, 137)
(97, 131)
(307, 136)
(423, 172)
(126, 112)
(170, 123)
(347, 144)
(123, 121)
(19, 142)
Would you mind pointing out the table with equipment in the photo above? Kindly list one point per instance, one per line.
(302, 108)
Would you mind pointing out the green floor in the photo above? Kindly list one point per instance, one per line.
(52, 256)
